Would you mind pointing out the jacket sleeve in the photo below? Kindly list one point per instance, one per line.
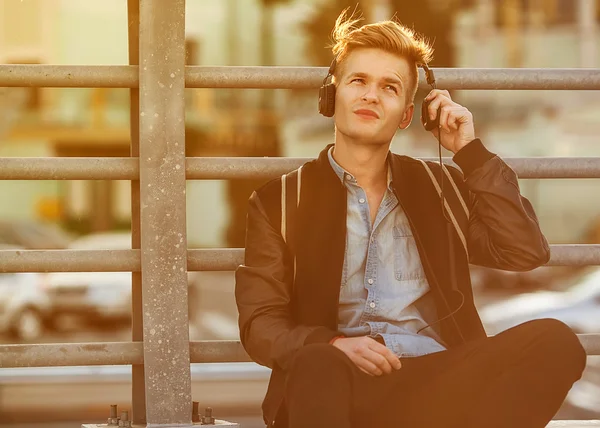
(263, 293)
(504, 231)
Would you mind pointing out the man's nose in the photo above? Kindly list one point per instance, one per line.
(370, 94)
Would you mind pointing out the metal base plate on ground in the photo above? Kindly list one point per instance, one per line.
(218, 423)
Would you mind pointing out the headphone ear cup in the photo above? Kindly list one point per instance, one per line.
(327, 100)
(429, 124)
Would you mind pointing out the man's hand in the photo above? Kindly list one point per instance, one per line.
(369, 355)
(456, 121)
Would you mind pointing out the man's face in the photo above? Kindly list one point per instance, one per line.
(371, 96)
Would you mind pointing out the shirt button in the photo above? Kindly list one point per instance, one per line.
(361, 200)
(372, 305)
(370, 281)
(348, 177)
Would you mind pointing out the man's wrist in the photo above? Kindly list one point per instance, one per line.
(462, 145)
(472, 156)
(331, 342)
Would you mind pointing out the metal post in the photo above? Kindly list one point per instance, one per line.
(163, 219)
(138, 387)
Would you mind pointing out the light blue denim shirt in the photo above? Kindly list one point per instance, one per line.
(384, 291)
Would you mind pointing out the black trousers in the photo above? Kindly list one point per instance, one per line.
(518, 378)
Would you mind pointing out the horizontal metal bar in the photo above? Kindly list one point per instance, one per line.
(126, 76)
(555, 167)
(225, 259)
(70, 260)
(248, 167)
(255, 77)
(245, 167)
(591, 343)
(574, 255)
(111, 353)
(447, 78)
(69, 168)
(515, 78)
(218, 351)
(125, 353)
(69, 76)
(240, 167)
(71, 354)
(573, 424)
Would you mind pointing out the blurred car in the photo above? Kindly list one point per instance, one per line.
(92, 296)
(542, 278)
(24, 304)
(31, 235)
(578, 307)
(25, 309)
(97, 297)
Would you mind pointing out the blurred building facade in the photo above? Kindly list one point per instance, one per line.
(95, 122)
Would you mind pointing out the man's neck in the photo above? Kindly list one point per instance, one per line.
(367, 163)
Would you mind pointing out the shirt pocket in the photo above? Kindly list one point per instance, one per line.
(407, 262)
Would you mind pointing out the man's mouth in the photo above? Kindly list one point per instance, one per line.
(367, 114)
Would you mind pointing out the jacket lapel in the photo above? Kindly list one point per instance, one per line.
(422, 206)
(321, 230)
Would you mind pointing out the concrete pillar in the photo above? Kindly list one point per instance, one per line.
(512, 17)
(484, 32)
(586, 18)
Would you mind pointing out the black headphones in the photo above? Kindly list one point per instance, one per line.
(327, 96)
(327, 93)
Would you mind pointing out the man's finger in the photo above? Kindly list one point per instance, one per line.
(433, 107)
(378, 360)
(445, 118)
(458, 116)
(367, 366)
(435, 92)
(364, 371)
(391, 358)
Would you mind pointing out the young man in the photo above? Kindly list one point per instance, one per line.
(356, 302)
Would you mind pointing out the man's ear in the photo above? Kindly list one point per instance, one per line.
(408, 117)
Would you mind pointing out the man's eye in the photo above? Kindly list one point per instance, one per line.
(357, 80)
(393, 88)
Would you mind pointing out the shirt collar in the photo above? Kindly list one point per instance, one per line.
(345, 176)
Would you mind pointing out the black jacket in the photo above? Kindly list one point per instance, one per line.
(277, 315)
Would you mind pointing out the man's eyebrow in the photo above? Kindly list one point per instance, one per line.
(394, 80)
(358, 74)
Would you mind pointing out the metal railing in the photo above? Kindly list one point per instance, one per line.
(160, 352)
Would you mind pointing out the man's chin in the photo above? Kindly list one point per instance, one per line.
(369, 139)
(359, 135)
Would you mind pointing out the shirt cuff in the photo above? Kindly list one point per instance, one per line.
(472, 156)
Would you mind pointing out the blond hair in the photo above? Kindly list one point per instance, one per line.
(390, 36)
